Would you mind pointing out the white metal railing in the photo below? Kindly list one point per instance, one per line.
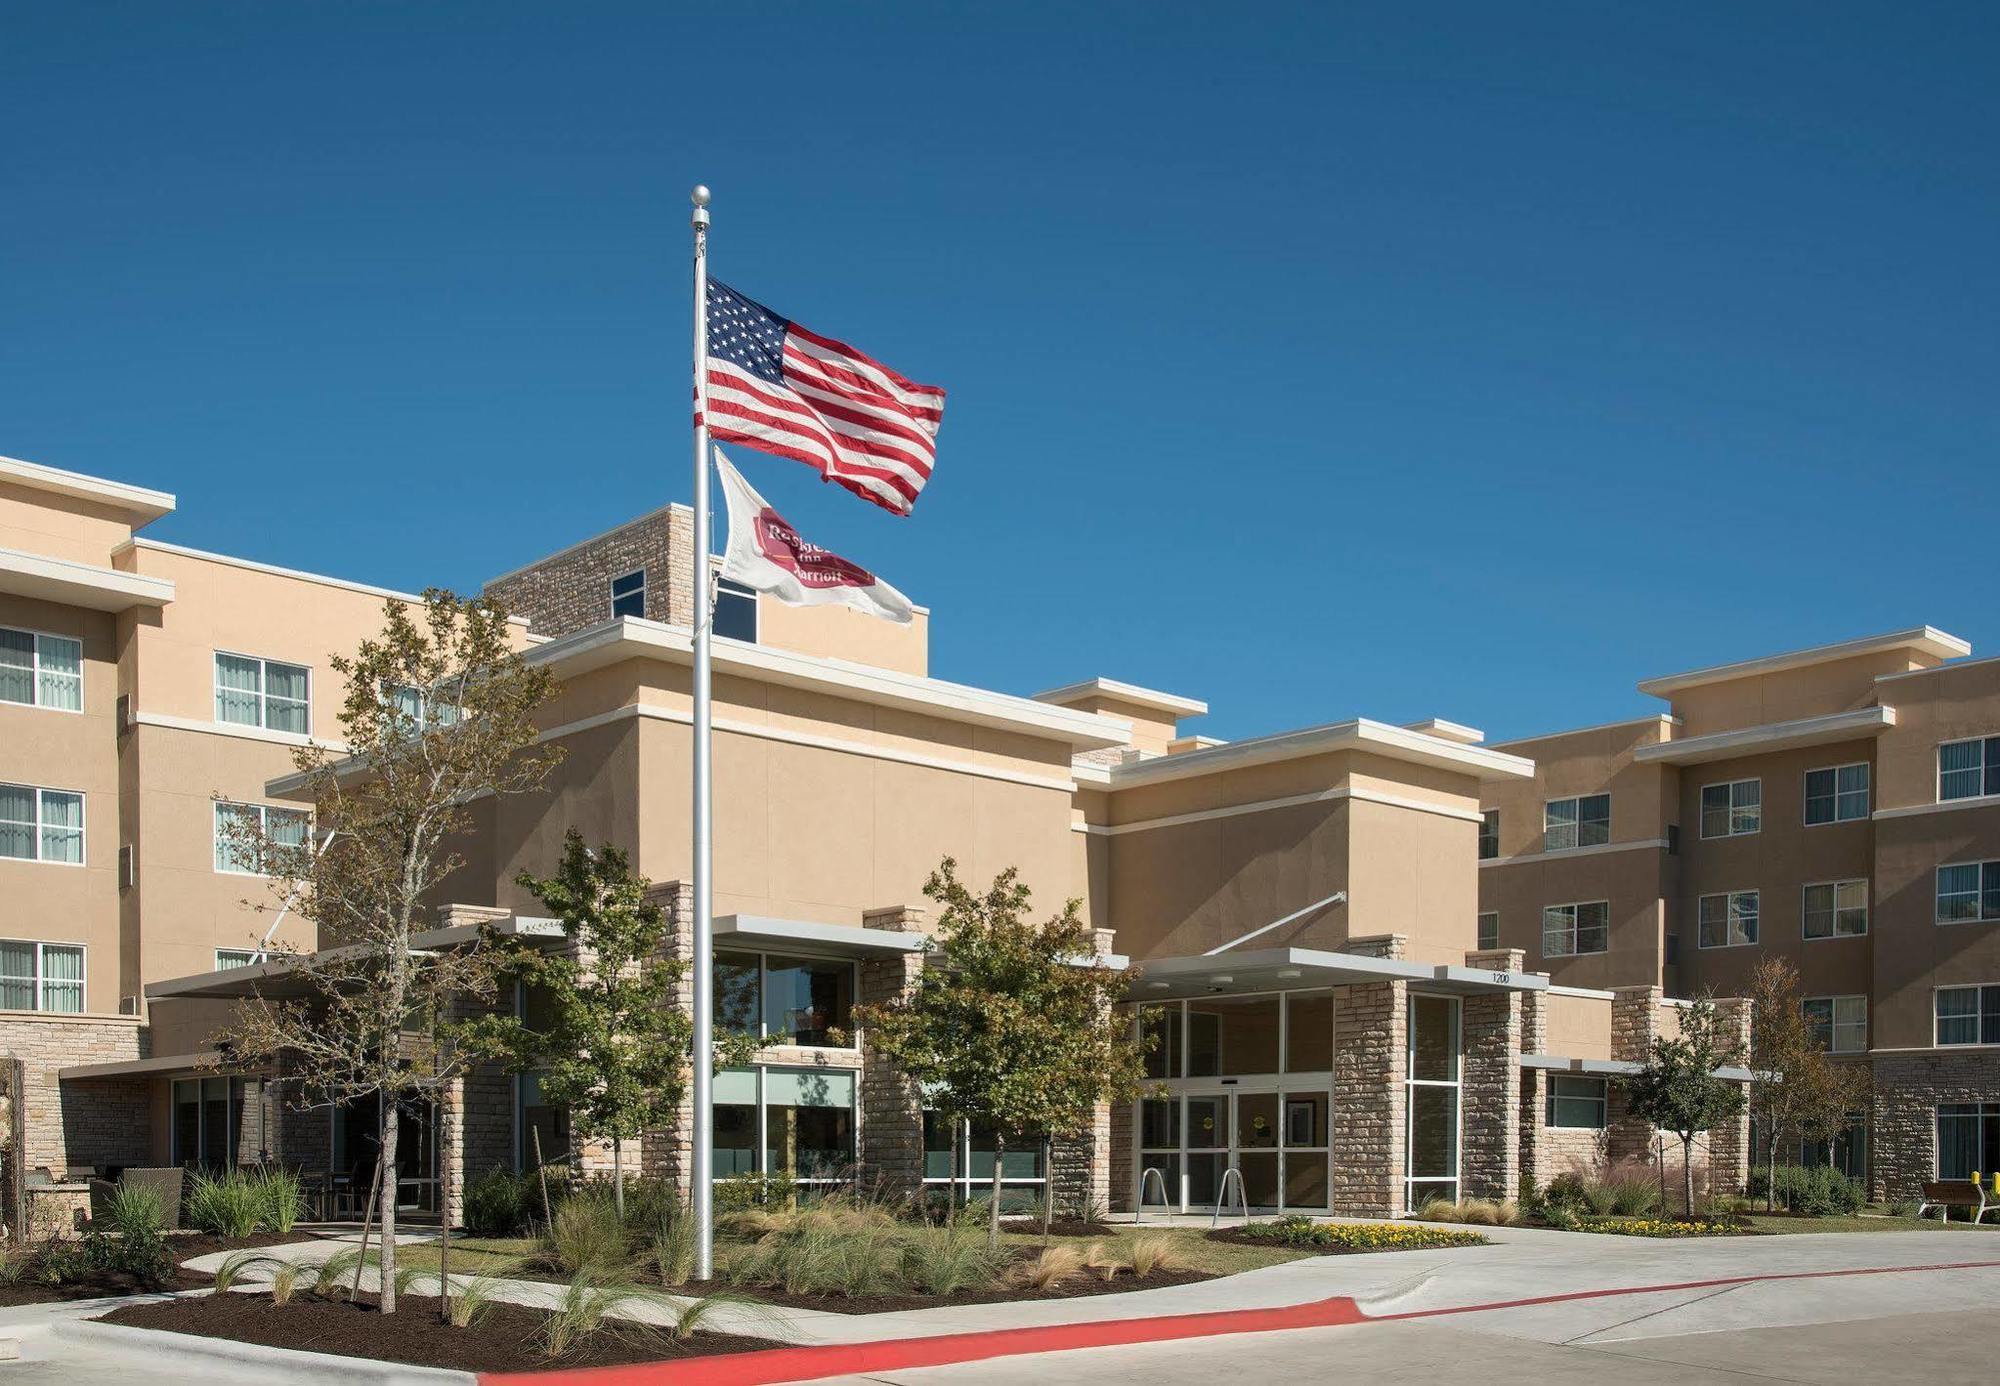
(1222, 1195)
(1139, 1208)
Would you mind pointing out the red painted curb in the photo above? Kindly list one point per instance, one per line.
(845, 1359)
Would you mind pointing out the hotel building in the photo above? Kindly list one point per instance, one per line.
(1384, 962)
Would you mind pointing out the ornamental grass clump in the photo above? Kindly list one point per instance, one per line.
(586, 1237)
(1484, 1212)
(584, 1308)
(227, 1204)
(281, 1199)
(1155, 1253)
(945, 1260)
(1050, 1270)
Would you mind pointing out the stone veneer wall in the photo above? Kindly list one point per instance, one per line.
(572, 589)
(1370, 1040)
(666, 1153)
(1079, 1173)
(86, 1122)
(1490, 1093)
(1902, 1119)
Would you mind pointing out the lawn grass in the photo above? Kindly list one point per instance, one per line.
(1780, 1226)
(498, 1255)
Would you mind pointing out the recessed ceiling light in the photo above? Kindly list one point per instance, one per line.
(1221, 979)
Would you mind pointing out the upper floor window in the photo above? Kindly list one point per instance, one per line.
(283, 827)
(1575, 1102)
(1968, 892)
(1489, 930)
(1838, 1024)
(735, 611)
(628, 594)
(1838, 794)
(252, 692)
(1568, 930)
(1584, 821)
(41, 670)
(1967, 1015)
(785, 1000)
(41, 824)
(1489, 834)
(1733, 809)
(226, 958)
(1969, 769)
(1834, 909)
(420, 706)
(41, 976)
(1728, 920)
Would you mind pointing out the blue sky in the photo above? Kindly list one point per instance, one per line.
(1471, 361)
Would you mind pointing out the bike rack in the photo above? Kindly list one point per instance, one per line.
(1139, 1209)
(1242, 1200)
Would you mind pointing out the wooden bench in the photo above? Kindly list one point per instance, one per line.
(1952, 1194)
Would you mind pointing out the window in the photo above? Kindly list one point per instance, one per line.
(282, 827)
(421, 708)
(1581, 822)
(41, 976)
(1732, 810)
(1968, 892)
(628, 594)
(1968, 1138)
(1231, 1036)
(1489, 834)
(226, 958)
(1838, 1024)
(41, 670)
(784, 1000)
(218, 1121)
(1835, 909)
(1969, 769)
(1967, 1015)
(735, 611)
(1568, 930)
(1431, 1092)
(795, 1123)
(252, 692)
(1728, 921)
(1489, 930)
(41, 824)
(962, 1152)
(1576, 1103)
(1838, 794)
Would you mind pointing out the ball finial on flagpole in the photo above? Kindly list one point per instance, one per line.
(699, 197)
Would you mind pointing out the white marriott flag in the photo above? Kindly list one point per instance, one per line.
(767, 555)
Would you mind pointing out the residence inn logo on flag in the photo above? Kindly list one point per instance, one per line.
(766, 554)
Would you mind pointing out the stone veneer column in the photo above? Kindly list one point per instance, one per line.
(1490, 1093)
(890, 1141)
(667, 1153)
(1080, 1165)
(1370, 1046)
(1635, 1024)
(476, 1113)
(1729, 1145)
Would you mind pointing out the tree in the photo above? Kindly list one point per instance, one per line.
(439, 713)
(1829, 1094)
(616, 1046)
(1782, 1055)
(1678, 1091)
(1010, 1024)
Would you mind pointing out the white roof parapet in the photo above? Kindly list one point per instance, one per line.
(1922, 639)
(1772, 736)
(79, 584)
(848, 940)
(1125, 692)
(1449, 731)
(1362, 734)
(629, 637)
(142, 503)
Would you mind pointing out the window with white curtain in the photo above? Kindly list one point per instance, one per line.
(253, 692)
(1967, 1015)
(1968, 892)
(1728, 920)
(234, 957)
(1733, 809)
(1838, 1024)
(40, 670)
(282, 827)
(41, 976)
(41, 824)
(1969, 769)
(1835, 909)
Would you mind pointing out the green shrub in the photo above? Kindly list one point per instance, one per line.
(1904, 1208)
(281, 1199)
(228, 1205)
(754, 1190)
(1811, 1190)
(498, 1203)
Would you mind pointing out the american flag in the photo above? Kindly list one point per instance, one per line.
(777, 387)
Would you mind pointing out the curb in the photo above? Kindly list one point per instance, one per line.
(272, 1363)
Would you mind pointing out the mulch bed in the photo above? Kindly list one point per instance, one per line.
(507, 1339)
(180, 1246)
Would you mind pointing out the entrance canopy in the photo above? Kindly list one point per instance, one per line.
(1285, 969)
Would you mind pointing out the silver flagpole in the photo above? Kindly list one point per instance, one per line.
(702, 1199)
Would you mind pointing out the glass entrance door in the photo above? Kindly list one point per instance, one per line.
(1277, 1140)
